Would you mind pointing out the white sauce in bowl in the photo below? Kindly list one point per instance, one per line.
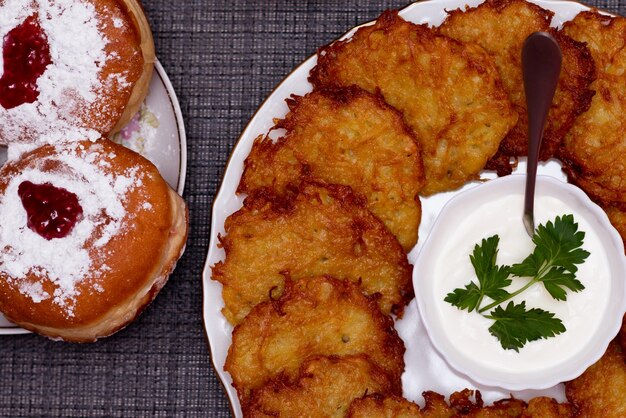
(463, 338)
(503, 216)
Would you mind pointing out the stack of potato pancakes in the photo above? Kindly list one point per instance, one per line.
(316, 267)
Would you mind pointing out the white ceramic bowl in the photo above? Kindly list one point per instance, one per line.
(495, 368)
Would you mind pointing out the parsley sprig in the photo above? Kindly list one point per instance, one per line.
(553, 263)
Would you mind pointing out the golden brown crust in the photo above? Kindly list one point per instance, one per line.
(501, 27)
(461, 405)
(350, 137)
(126, 273)
(316, 316)
(449, 93)
(123, 77)
(314, 230)
(599, 392)
(121, 315)
(324, 387)
(435, 406)
(378, 405)
(120, 85)
(592, 152)
(604, 35)
(134, 11)
(130, 52)
(543, 407)
(618, 220)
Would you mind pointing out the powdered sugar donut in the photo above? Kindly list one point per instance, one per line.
(71, 69)
(90, 234)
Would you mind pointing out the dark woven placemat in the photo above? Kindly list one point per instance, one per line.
(224, 58)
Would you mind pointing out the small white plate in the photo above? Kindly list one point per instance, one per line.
(425, 368)
(158, 133)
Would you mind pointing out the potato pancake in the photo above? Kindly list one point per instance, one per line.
(604, 35)
(314, 230)
(378, 405)
(593, 151)
(501, 27)
(541, 407)
(324, 387)
(390, 406)
(618, 219)
(601, 390)
(544, 407)
(350, 137)
(318, 316)
(450, 93)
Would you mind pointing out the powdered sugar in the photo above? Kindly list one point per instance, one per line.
(70, 83)
(33, 290)
(64, 261)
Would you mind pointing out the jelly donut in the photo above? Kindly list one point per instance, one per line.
(71, 69)
(90, 233)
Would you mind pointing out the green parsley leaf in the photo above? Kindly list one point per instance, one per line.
(554, 259)
(514, 326)
(467, 298)
(492, 279)
(495, 282)
(557, 279)
(530, 267)
(553, 262)
(484, 256)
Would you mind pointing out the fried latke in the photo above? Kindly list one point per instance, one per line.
(449, 93)
(461, 405)
(618, 220)
(312, 231)
(604, 35)
(601, 390)
(318, 316)
(464, 406)
(378, 405)
(544, 407)
(324, 387)
(350, 137)
(593, 151)
(501, 27)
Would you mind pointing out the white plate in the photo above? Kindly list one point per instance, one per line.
(159, 136)
(425, 368)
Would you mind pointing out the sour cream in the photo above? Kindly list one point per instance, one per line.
(463, 338)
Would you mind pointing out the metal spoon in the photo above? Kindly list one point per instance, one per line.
(541, 65)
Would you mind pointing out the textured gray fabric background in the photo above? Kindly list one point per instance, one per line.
(224, 58)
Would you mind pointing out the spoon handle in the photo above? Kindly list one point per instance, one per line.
(541, 65)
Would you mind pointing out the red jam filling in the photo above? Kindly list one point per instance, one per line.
(26, 54)
(52, 211)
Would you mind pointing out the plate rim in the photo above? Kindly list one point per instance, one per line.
(180, 125)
